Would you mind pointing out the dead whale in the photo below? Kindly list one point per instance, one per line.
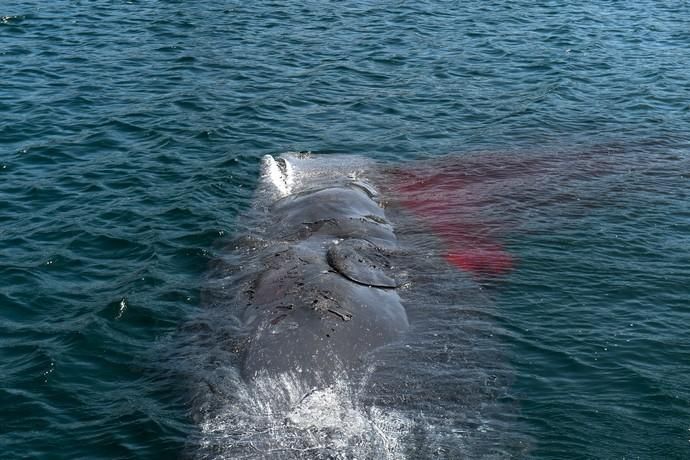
(318, 289)
(304, 350)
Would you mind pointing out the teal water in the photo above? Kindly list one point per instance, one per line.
(130, 139)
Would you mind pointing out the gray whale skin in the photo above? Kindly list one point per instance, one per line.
(322, 295)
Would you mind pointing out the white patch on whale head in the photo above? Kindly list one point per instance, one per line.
(293, 172)
(278, 173)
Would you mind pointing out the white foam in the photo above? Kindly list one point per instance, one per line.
(276, 417)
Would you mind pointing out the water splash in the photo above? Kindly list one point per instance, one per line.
(278, 417)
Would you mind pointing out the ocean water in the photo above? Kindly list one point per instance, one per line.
(537, 159)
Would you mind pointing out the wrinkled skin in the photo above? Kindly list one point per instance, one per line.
(322, 296)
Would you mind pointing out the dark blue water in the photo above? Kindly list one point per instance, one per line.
(130, 140)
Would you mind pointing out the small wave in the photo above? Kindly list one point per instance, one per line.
(11, 19)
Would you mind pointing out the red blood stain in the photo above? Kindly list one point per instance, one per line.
(449, 201)
(469, 202)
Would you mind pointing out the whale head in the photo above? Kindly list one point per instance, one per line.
(295, 172)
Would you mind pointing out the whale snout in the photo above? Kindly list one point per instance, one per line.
(277, 174)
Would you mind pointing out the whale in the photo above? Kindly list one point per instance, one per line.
(316, 282)
(345, 316)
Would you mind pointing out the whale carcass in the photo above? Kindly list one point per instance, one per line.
(317, 288)
(304, 348)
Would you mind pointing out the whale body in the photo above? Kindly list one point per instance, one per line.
(317, 286)
(304, 350)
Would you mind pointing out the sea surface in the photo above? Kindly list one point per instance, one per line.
(539, 153)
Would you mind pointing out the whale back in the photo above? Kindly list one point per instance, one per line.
(322, 295)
